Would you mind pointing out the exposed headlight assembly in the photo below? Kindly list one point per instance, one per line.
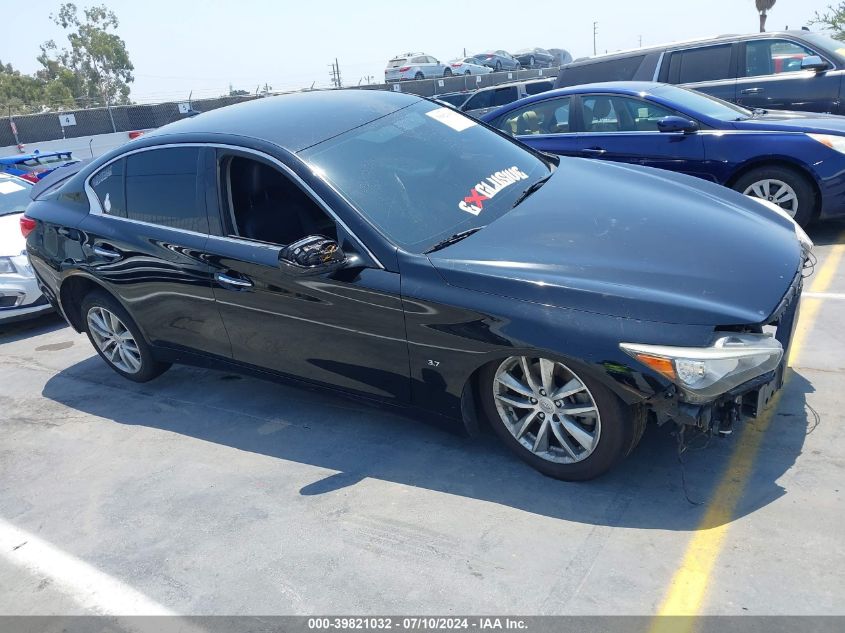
(705, 373)
(833, 141)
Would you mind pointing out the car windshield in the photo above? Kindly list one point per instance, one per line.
(697, 103)
(14, 195)
(832, 47)
(426, 172)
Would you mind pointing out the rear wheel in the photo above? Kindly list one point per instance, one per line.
(531, 62)
(117, 338)
(467, 72)
(563, 424)
(447, 72)
(498, 65)
(791, 190)
(419, 76)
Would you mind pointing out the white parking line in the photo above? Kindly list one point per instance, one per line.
(90, 588)
(824, 295)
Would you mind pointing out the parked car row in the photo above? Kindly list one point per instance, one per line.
(416, 66)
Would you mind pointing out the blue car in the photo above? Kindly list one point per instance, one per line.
(793, 159)
(33, 167)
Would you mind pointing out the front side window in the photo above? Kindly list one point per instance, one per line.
(599, 114)
(773, 57)
(543, 117)
(637, 115)
(108, 184)
(163, 187)
(266, 206)
(426, 172)
(709, 63)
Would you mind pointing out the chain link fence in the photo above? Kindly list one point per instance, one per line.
(25, 129)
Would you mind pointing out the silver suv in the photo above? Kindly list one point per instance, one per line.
(415, 66)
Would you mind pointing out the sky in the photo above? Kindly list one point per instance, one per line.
(184, 46)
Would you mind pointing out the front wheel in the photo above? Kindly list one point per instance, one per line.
(531, 62)
(117, 338)
(447, 72)
(419, 76)
(564, 424)
(791, 190)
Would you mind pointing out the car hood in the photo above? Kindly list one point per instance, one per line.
(11, 240)
(633, 242)
(795, 122)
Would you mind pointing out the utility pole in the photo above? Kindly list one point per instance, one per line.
(595, 31)
(641, 41)
(337, 82)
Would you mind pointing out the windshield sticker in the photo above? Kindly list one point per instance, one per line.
(489, 187)
(8, 187)
(447, 116)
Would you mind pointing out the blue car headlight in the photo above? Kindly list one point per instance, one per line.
(833, 141)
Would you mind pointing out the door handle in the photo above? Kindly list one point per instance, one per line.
(751, 91)
(596, 151)
(106, 252)
(235, 282)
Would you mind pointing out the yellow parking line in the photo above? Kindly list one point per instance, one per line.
(688, 587)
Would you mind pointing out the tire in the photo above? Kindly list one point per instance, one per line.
(615, 428)
(99, 304)
(531, 61)
(467, 72)
(419, 76)
(498, 66)
(447, 72)
(782, 180)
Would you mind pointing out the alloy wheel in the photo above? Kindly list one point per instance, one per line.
(114, 340)
(777, 191)
(547, 408)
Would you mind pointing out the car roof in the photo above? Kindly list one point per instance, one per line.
(680, 43)
(518, 83)
(293, 121)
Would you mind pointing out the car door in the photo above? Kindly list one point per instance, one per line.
(344, 329)
(624, 129)
(711, 69)
(145, 240)
(544, 125)
(772, 78)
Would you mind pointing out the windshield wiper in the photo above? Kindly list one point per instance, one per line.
(531, 189)
(457, 237)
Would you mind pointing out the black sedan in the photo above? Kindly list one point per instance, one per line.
(535, 58)
(383, 245)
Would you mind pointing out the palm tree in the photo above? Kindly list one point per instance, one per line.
(763, 7)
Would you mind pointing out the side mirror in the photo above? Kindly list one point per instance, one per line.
(677, 124)
(313, 255)
(814, 63)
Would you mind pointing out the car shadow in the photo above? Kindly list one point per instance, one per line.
(652, 489)
(826, 233)
(28, 328)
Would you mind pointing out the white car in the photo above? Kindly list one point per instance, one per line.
(415, 66)
(468, 66)
(20, 296)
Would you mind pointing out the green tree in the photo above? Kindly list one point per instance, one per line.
(833, 19)
(24, 94)
(96, 66)
(763, 8)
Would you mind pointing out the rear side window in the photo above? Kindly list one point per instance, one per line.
(537, 87)
(503, 96)
(163, 187)
(621, 69)
(710, 63)
(544, 117)
(109, 186)
(482, 99)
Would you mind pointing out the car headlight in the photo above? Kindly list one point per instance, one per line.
(704, 373)
(833, 141)
(801, 234)
(7, 265)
